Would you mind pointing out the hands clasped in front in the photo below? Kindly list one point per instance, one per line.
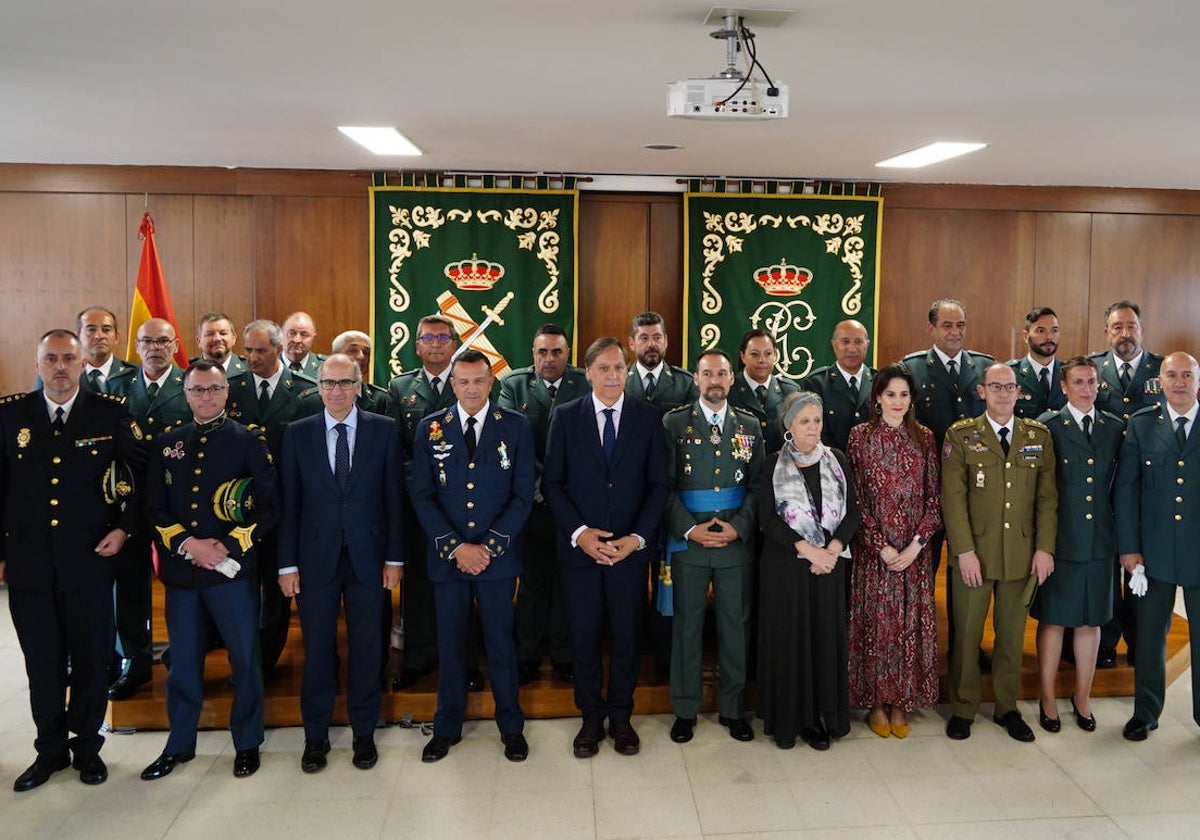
(821, 561)
(603, 548)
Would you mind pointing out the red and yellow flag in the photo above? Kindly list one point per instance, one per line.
(150, 297)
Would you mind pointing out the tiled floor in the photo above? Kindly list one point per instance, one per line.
(1072, 784)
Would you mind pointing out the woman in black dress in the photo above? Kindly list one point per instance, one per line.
(808, 512)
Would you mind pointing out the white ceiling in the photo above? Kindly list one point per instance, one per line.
(1080, 92)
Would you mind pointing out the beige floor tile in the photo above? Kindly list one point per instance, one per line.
(739, 808)
(660, 811)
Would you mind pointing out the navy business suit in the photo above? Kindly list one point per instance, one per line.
(484, 499)
(624, 495)
(339, 540)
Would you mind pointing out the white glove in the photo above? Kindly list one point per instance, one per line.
(1137, 581)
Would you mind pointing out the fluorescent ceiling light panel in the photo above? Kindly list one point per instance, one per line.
(382, 140)
(933, 153)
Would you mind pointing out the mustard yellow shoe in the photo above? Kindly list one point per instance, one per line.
(881, 729)
(900, 730)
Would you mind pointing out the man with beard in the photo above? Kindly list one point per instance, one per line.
(1038, 372)
(299, 332)
(758, 390)
(714, 458)
(845, 386)
(651, 378)
(215, 336)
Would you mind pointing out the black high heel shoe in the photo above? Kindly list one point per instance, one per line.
(1087, 724)
(1048, 723)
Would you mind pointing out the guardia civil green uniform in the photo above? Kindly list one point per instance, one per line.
(842, 408)
(1037, 398)
(940, 400)
(674, 388)
(1143, 388)
(765, 410)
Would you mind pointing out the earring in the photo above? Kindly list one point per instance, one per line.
(787, 436)
(878, 410)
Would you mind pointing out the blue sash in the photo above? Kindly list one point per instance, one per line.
(727, 498)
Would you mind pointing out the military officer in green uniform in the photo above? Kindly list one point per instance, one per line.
(216, 337)
(540, 622)
(757, 389)
(103, 372)
(1037, 371)
(714, 460)
(415, 394)
(1000, 506)
(299, 333)
(844, 387)
(652, 378)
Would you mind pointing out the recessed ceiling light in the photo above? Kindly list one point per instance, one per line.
(662, 147)
(932, 153)
(382, 140)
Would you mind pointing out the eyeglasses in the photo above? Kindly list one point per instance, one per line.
(340, 384)
(997, 387)
(434, 338)
(201, 390)
(156, 342)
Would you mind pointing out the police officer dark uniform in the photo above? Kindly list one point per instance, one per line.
(541, 616)
(208, 522)
(68, 504)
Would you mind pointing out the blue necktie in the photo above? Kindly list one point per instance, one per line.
(609, 438)
(341, 457)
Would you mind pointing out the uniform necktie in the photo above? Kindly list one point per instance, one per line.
(1044, 381)
(1181, 431)
(152, 390)
(57, 423)
(650, 382)
(952, 366)
(1004, 439)
(296, 366)
(341, 457)
(761, 393)
(1087, 426)
(854, 385)
(436, 382)
(97, 380)
(1124, 377)
(609, 439)
(264, 394)
(470, 438)
(553, 389)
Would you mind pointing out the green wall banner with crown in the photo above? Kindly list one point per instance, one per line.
(793, 264)
(472, 254)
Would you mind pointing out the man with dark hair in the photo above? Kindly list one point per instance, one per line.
(70, 468)
(605, 480)
(472, 488)
(844, 386)
(96, 328)
(757, 389)
(216, 337)
(714, 460)
(651, 378)
(541, 618)
(1038, 371)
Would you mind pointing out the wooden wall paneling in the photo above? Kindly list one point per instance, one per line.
(173, 234)
(1041, 199)
(614, 258)
(1062, 276)
(1153, 261)
(58, 254)
(665, 293)
(224, 263)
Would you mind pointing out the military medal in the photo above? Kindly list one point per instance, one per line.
(503, 450)
(435, 430)
(979, 479)
(687, 468)
(23, 438)
(442, 475)
(715, 437)
(738, 476)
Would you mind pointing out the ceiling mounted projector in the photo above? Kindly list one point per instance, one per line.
(731, 94)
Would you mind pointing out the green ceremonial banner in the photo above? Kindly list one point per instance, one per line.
(794, 265)
(471, 254)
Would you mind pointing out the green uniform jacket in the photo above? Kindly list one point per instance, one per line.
(117, 382)
(1085, 471)
(744, 398)
(280, 410)
(311, 367)
(843, 410)
(1033, 400)
(695, 463)
(675, 388)
(236, 365)
(412, 398)
(1124, 403)
(938, 405)
(1002, 509)
(168, 409)
(524, 391)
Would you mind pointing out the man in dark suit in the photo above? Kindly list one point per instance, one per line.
(299, 333)
(1129, 382)
(211, 495)
(541, 619)
(844, 386)
(340, 538)
(1037, 371)
(605, 480)
(1158, 528)
(757, 389)
(216, 337)
(68, 504)
(268, 395)
(96, 328)
(156, 400)
(472, 488)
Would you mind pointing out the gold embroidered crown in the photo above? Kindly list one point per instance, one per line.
(474, 275)
(782, 279)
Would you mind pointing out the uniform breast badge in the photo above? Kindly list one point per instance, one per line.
(435, 431)
(505, 463)
(979, 479)
(743, 446)
(175, 451)
(23, 438)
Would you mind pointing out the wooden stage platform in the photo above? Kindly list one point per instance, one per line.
(547, 696)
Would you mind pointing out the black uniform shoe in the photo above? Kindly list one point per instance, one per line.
(682, 730)
(1137, 729)
(1048, 723)
(515, 746)
(1106, 657)
(438, 748)
(587, 742)
(246, 763)
(739, 730)
(957, 728)
(164, 764)
(313, 760)
(126, 685)
(91, 770)
(39, 772)
(625, 738)
(1015, 726)
(365, 754)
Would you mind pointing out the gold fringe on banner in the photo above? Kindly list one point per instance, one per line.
(772, 186)
(478, 180)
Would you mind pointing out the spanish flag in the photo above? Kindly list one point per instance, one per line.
(150, 297)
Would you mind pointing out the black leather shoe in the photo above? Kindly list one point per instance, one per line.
(516, 748)
(739, 730)
(92, 770)
(474, 680)
(127, 685)
(39, 772)
(683, 729)
(527, 672)
(1087, 724)
(816, 737)
(1015, 726)
(1106, 657)
(365, 753)
(785, 743)
(438, 748)
(1137, 729)
(587, 742)
(958, 728)
(407, 677)
(565, 671)
(246, 763)
(164, 764)
(313, 760)
(1048, 723)
(625, 738)
(985, 662)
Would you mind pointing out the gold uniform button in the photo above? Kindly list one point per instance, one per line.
(1088, 516)
(150, 420)
(1179, 481)
(1007, 525)
(195, 505)
(470, 505)
(718, 453)
(1179, 464)
(1087, 498)
(54, 481)
(54, 503)
(763, 423)
(1125, 399)
(1089, 479)
(1091, 461)
(1178, 518)
(195, 523)
(195, 488)
(196, 471)
(56, 460)
(470, 524)
(203, 439)
(199, 454)
(1008, 484)
(1007, 505)
(1179, 500)
(717, 471)
(471, 465)
(53, 523)
(470, 485)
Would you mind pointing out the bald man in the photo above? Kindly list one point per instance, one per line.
(844, 386)
(299, 333)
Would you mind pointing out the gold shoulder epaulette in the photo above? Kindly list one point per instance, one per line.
(1037, 424)
(116, 398)
(13, 397)
(749, 415)
(963, 423)
(677, 409)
